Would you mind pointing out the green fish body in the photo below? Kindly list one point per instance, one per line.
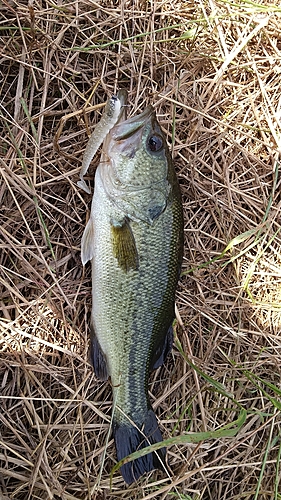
(134, 240)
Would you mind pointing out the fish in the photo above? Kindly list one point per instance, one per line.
(134, 240)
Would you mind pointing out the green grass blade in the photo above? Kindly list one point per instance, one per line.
(228, 431)
(268, 446)
(277, 475)
(30, 121)
(217, 385)
(234, 242)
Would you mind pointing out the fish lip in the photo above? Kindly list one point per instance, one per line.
(124, 129)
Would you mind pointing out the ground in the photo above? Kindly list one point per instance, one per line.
(212, 70)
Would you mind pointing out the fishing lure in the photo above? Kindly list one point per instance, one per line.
(108, 120)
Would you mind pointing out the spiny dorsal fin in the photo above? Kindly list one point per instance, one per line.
(124, 245)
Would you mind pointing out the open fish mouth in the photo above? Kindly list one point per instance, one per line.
(114, 127)
(125, 138)
(124, 127)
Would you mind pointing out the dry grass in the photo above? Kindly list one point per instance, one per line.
(213, 71)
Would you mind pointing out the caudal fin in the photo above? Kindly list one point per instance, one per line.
(129, 439)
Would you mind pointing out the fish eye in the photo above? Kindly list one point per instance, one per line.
(155, 143)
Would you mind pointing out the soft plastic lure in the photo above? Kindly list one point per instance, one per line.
(108, 120)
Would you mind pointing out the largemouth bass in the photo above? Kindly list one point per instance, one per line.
(134, 239)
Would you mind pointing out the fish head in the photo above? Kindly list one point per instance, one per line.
(137, 151)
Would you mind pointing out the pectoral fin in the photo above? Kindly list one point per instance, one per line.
(87, 243)
(124, 245)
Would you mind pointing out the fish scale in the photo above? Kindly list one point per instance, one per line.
(134, 241)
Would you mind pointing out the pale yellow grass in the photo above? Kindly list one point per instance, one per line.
(213, 72)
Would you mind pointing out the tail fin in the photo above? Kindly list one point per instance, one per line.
(129, 439)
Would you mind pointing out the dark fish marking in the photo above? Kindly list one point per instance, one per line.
(124, 246)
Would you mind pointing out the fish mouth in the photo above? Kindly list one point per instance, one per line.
(127, 127)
